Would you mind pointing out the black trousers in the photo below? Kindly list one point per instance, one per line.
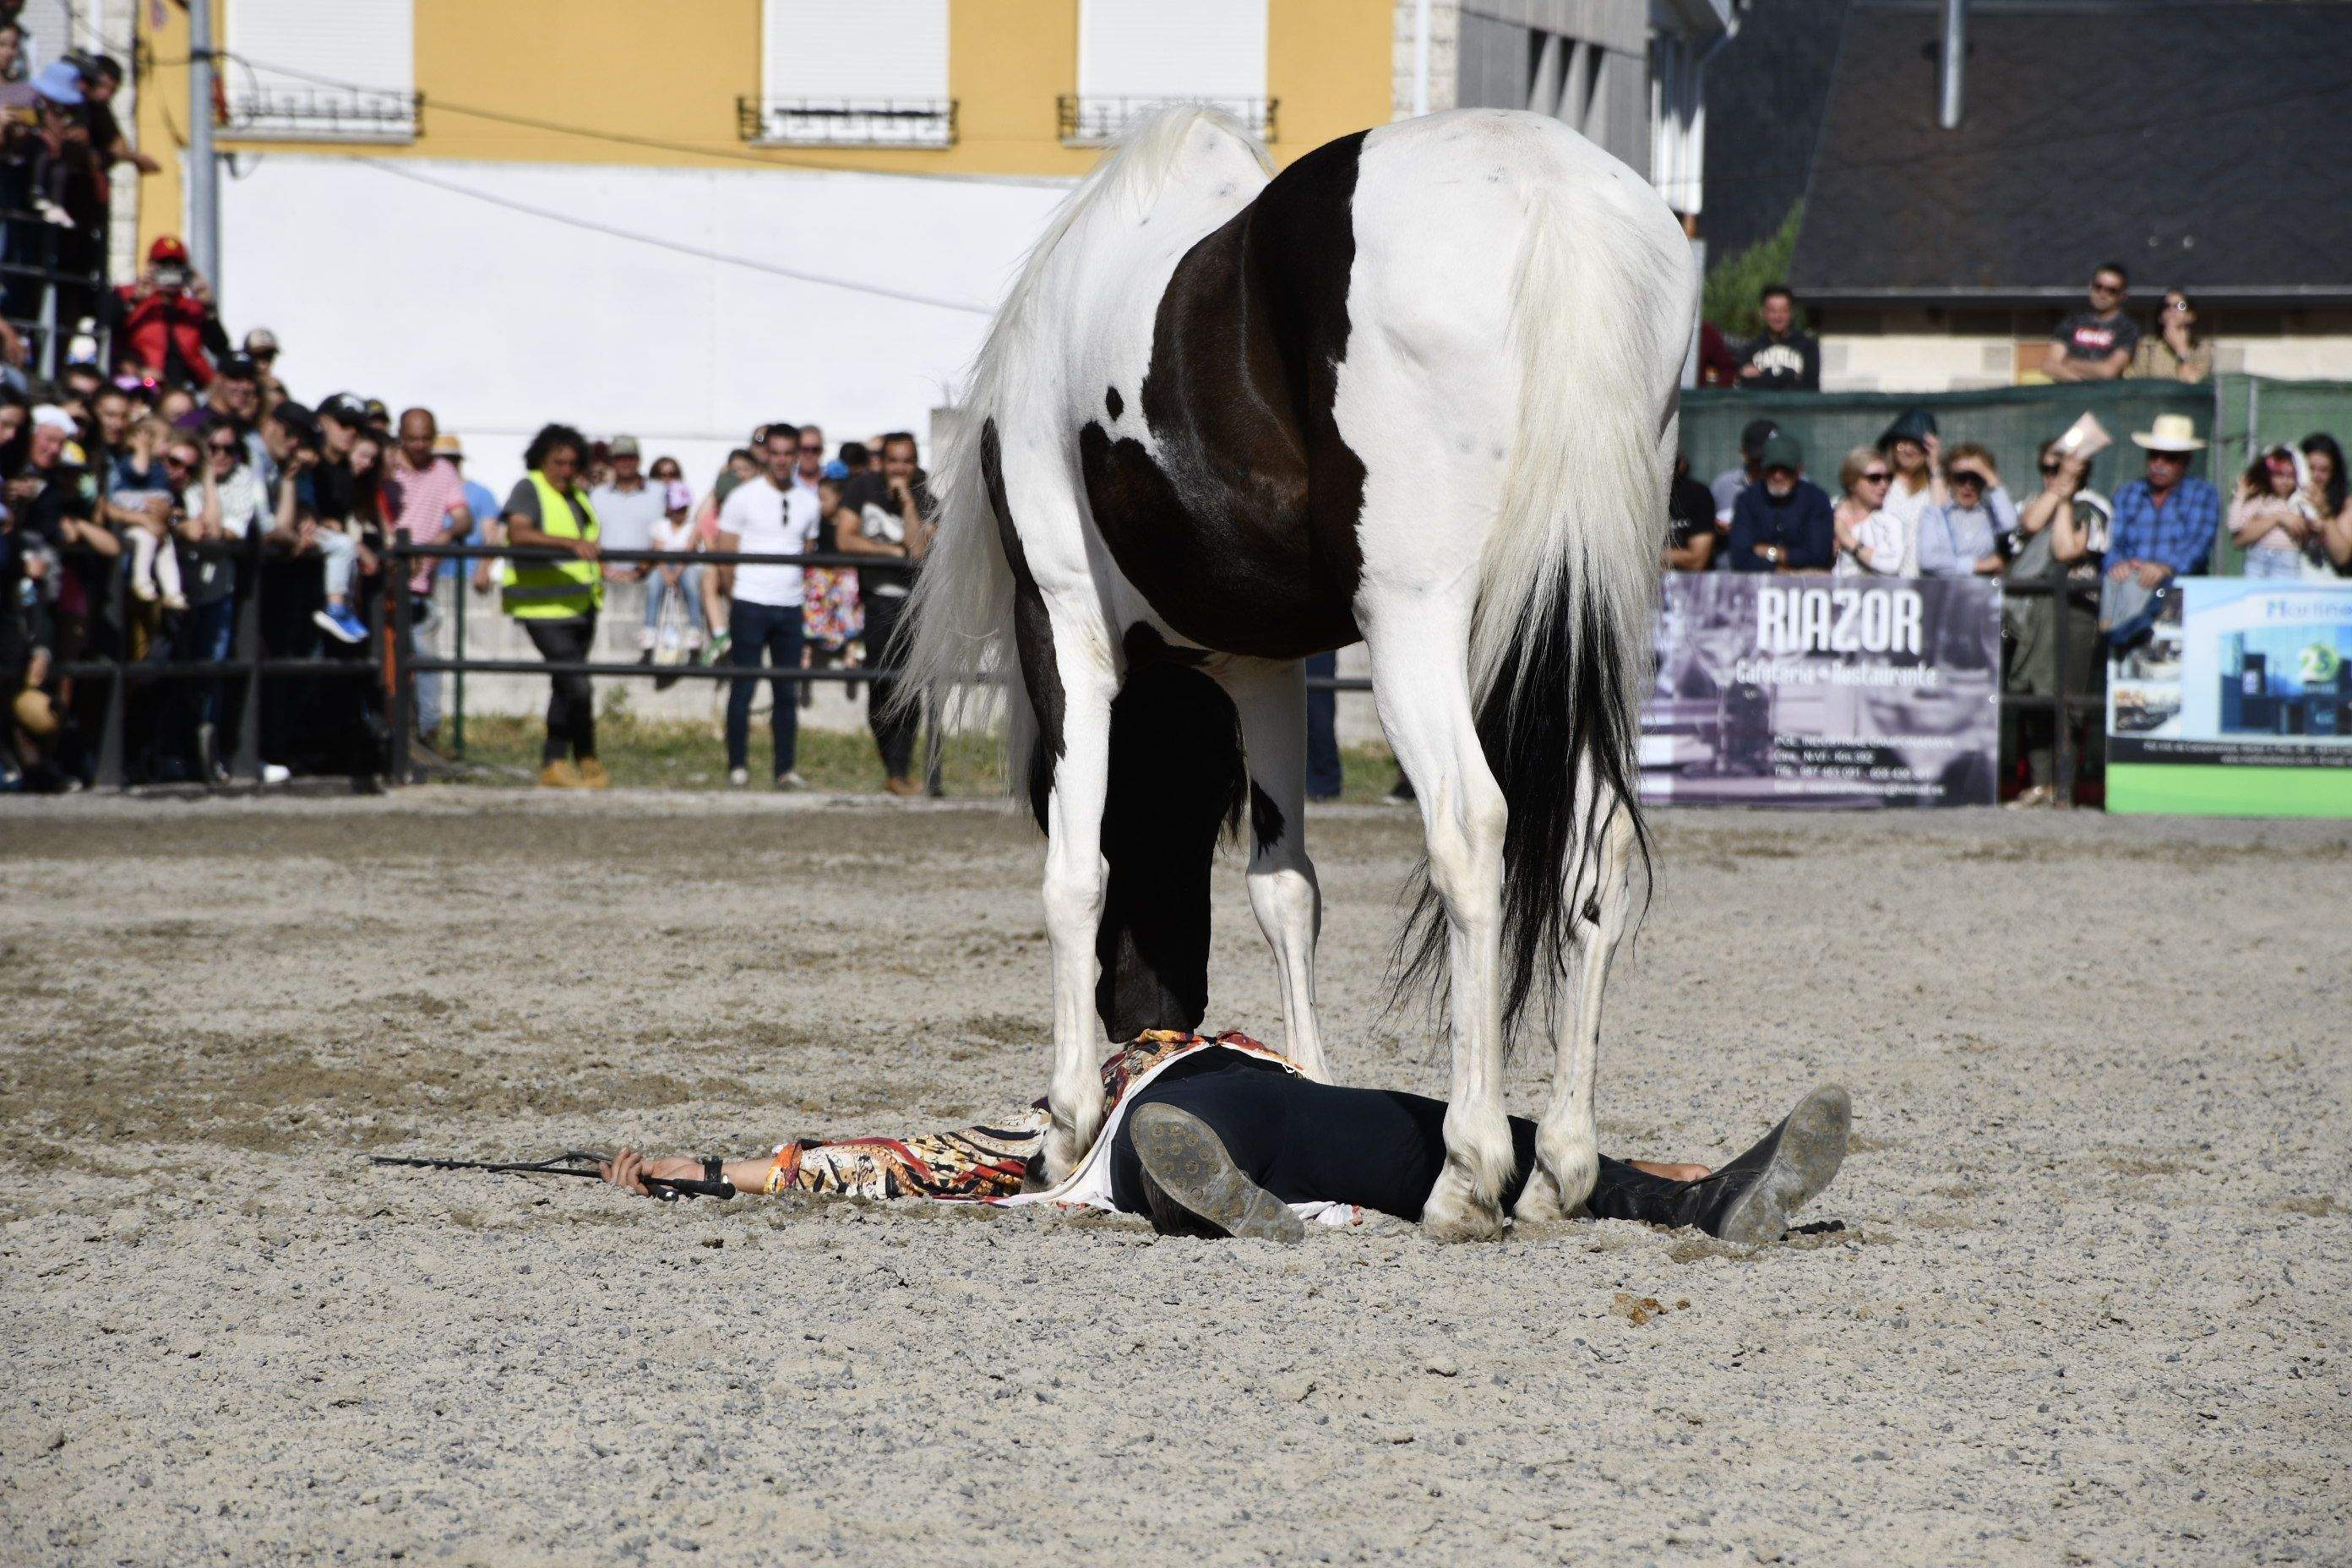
(894, 733)
(572, 702)
(1315, 1142)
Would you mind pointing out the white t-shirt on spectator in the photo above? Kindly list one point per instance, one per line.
(668, 535)
(768, 522)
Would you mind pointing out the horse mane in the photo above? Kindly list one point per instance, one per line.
(959, 657)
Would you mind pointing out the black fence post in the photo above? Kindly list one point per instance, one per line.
(249, 660)
(2062, 741)
(459, 585)
(110, 742)
(398, 609)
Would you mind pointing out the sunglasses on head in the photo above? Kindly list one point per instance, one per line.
(1875, 477)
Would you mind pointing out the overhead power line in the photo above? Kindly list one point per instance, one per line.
(400, 169)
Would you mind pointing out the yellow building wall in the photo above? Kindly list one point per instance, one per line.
(618, 81)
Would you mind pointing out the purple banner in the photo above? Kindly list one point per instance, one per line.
(1833, 691)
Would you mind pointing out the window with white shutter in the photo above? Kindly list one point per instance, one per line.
(869, 74)
(1136, 54)
(321, 70)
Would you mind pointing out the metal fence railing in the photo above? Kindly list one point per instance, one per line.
(391, 663)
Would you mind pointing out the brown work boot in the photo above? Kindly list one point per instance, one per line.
(592, 774)
(900, 787)
(559, 774)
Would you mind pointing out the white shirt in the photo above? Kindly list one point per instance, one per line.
(668, 535)
(766, 521)
(1890, 546)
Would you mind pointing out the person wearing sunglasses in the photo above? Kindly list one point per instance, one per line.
(2096, 344)
(2176, 351)
(1962, 537)
(225, 504)
(1871, 540)
(2271, 518)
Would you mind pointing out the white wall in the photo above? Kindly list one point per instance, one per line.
(501, 321)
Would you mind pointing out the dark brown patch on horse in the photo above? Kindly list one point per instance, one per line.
(1241, 531)
(1115, 402)
(1032, 632)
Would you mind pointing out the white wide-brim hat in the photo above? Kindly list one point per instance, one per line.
(2173, 433)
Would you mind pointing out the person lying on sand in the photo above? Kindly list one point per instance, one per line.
(1222, 1137)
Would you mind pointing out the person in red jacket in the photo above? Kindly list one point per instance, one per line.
(168, 328)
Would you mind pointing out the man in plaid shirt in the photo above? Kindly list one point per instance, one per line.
(2164, 525)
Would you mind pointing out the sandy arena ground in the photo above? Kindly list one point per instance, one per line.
(2090, 1300)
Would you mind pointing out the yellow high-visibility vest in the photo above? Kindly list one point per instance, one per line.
(554, 590)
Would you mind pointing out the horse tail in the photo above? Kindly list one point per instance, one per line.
(1602, 305)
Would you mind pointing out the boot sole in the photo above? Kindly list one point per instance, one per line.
(1185, 1165)
(1812, 1146)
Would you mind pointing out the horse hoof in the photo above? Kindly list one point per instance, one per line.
(1454, 1213)
(1062, 1153)
(1540, 1204)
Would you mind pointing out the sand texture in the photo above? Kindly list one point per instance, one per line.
(2082, 1294)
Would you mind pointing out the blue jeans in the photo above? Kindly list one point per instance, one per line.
(211, 631)
(2273, 563)
(425, 686)
(658, 588)
(776, 629)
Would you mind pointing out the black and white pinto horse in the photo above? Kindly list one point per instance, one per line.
(1421, 389)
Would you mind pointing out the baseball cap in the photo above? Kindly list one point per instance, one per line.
(448, 445)
(50, 417)
(238, 366)
(58, 82)
(623, 447)
(1752, 437)
(167, 247)
(1782, 452)
(261, 341)
(296, 417)
(377, 410)
(344, 408)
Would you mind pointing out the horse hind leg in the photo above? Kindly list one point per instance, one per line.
(1422, 684)
(1568, 1150)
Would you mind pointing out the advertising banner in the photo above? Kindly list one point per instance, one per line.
(1833, 691)
(2240, 704)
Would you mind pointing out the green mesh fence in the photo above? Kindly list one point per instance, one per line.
(2010, 421)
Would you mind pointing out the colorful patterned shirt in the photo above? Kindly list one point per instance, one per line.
(988, 1163)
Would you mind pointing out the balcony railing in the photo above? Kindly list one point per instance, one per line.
(1090, 121)
(324, 113)
(846, 122)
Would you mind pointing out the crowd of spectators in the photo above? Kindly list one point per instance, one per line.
(1910, 506)
(2100, 341)
(148, 515)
